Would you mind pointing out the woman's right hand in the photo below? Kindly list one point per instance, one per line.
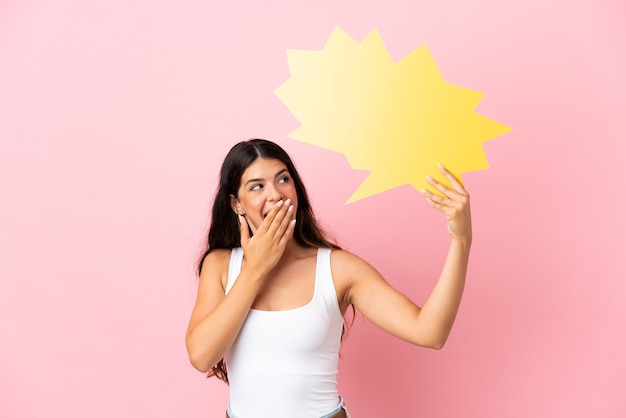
(265, 248)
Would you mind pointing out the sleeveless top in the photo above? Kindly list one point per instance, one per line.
(283, 364)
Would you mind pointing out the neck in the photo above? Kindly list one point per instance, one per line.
(295, 250)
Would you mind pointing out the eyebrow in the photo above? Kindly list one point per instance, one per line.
(258, 180)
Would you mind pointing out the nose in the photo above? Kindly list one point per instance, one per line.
(273, 194)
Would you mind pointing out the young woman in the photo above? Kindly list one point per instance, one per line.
(273, 290)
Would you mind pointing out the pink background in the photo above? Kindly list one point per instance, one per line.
(114, 118)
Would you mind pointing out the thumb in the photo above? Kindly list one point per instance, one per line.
(243, 230)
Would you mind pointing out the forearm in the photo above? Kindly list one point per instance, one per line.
(439, 312)
(209, 339)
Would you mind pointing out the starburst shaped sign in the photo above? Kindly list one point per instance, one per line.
(396, 120)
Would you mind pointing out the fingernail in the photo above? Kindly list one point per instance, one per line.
(429, 178)
(288, 201)
(279, 203)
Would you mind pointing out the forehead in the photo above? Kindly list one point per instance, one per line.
(263, 168)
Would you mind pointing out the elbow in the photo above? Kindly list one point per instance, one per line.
(436, 345)
(439, 341)
(200, 360)
(434, 337)
(199, 365)
(433, 342)
(203, 364)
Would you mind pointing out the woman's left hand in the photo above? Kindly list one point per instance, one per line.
(455, 204)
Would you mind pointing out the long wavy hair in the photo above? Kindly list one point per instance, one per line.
(224, 229)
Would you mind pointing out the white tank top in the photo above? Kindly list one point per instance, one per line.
(283, 364)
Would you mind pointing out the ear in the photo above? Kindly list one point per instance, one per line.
(236, 206)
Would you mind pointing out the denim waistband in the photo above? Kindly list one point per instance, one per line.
(341, 406)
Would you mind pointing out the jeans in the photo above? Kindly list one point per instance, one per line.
(341, 406)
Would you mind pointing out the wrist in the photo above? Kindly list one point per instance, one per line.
(254, 272)
(464, 242)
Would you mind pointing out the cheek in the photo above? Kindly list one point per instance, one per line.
(254, 222)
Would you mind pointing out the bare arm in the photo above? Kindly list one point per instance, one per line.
(430, 325)
(217, 318)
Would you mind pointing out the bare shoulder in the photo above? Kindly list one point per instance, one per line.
(350, 274)
(218, 256)
(215, 266)
(348, 265)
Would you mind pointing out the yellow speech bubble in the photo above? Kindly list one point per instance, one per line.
(396, 120)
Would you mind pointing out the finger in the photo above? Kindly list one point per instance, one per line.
(444, 205)
(455, 182)
(284, 223)
(435, 199)
(281, 220)
(449, 207)
(288, 232)
(243, 230)
(271, 215)
(459, 196)
(445, 190)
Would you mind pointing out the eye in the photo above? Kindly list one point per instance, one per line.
(256, 187)
(283, 179)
